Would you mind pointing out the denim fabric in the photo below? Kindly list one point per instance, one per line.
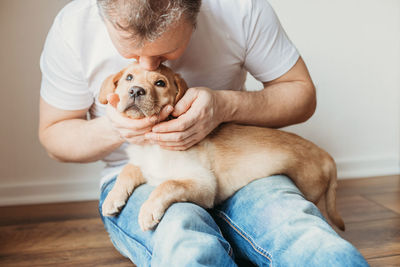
(267, 223)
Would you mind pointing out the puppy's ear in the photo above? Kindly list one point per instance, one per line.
(181, 86)
(109, 85)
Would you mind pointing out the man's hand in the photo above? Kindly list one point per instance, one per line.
(198, 113)
(131, 130)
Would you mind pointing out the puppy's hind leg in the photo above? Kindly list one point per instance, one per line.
(172, 191)
(129, 178)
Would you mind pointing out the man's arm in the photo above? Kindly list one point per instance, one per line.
(69, 137)
(287, 100)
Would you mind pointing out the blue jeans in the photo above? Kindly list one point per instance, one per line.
(267, 223)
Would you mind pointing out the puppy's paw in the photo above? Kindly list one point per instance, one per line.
(111, 207)
(150, 215)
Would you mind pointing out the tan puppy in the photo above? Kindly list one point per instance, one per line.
(211, 171)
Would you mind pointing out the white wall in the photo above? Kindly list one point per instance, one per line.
(27, 175)
(352, 49)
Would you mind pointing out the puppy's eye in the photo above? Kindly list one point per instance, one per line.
(129, 77)
(160, 83)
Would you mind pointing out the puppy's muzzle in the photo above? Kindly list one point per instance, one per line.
(136, 99)
(136, 92)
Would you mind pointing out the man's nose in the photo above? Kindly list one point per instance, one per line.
(149, 63)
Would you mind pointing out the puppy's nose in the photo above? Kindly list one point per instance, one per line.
(136, 91)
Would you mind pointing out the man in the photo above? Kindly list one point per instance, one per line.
(212, 46)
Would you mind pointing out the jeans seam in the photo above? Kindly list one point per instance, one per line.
(104, 186)
(245, 235)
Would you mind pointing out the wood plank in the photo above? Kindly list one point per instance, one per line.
(357, 208)
(390, 200)
(53, 236)
(375, 238)
(81, 242)
(391, 261)
(101, 256)
(26, 214)
(371, 185)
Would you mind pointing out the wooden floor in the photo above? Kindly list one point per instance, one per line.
(72, 234)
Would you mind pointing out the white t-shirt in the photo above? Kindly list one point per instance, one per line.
(232, 37)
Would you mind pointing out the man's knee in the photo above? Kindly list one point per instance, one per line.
(187, 234)
(184, 215)
(266, 189)
(338, 252)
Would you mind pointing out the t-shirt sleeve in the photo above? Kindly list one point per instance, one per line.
(269, 52)
(63, 84)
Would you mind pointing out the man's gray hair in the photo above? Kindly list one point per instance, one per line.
(146, 20)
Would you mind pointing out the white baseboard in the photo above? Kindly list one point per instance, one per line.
(77, 190)
(368, 167)
(48, 192)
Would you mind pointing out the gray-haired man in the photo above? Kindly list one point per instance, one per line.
(212, 46)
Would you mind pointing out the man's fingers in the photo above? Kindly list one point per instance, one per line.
(113, 99)
(181, 143)
(126, 133)
(138, 140)
(185, 103)
(179, 124)
(171, 138)
(164, 113)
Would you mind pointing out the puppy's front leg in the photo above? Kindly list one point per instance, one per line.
(172, 191)
(129, 178)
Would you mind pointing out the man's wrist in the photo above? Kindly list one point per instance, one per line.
(226, 105)
(112, 134)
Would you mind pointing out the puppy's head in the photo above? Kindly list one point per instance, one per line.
(143, 93)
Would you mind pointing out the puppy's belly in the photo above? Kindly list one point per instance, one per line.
(159, 165)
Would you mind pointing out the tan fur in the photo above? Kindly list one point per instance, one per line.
(228, 159)
(169, 192)
(129, 178)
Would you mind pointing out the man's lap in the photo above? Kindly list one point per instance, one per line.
(190, 226)
(268, 221)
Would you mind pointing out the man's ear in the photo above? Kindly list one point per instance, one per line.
(109, 85)
(181, 86)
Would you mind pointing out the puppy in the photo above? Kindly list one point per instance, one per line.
(211, 171)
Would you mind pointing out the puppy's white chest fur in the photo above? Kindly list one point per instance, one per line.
(158, 165)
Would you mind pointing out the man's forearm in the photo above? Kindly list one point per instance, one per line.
(277, 105)
(79, 140)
